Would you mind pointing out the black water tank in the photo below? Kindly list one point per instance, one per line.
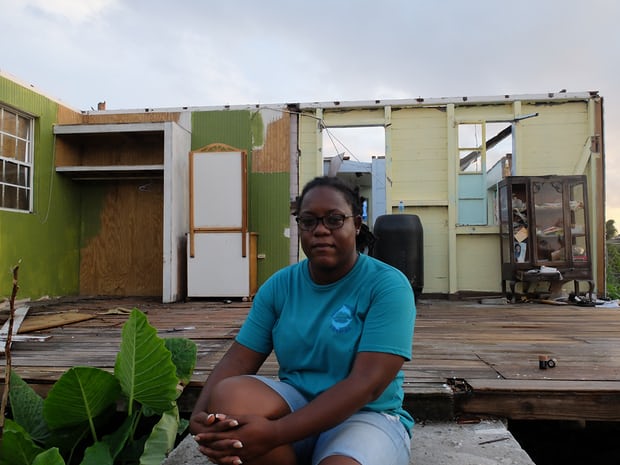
(400, 244)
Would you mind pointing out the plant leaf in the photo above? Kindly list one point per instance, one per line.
(27, 409)
(132, 452)
(97, 454)
(144, 366)
(79, 395)
(183, 352)
(17, 447)
(183, 425)
(117, 439)
(49, 457)
(162, 438)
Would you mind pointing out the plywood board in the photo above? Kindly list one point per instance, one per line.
(124, 255)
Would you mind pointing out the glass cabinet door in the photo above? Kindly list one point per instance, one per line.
(578, 228)
(520, 223)
(504, 227)
(547, 197)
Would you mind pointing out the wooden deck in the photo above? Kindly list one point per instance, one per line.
(469, 359)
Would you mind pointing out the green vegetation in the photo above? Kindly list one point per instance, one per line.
(613, 260)
(93, 417)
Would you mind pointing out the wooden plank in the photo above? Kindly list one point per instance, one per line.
(20, 314)
(543, 405)
(493, 349)
(544, 386)
(39, 322)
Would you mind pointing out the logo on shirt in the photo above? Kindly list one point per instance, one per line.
(341, 319)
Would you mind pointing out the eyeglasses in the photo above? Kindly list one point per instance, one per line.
(331, 222)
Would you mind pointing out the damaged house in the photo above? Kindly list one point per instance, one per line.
(196, 201)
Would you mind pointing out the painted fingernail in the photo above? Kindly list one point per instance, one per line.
(220, 416)
(237, 462)
(234, 423)
(237, 444)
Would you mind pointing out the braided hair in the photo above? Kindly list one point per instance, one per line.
(365, 239)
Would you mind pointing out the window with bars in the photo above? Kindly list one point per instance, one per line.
(16, 131)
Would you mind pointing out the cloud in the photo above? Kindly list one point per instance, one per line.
(73, 11)
(153, 53)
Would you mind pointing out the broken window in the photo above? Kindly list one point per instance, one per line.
(484, 148)
(15, 160)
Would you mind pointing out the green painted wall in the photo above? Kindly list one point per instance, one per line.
(269, 216)
(268, 192)
(44, 243)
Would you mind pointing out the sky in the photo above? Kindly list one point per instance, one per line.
(136, 54)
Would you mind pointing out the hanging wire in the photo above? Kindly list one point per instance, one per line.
(334, 139)
(53, 174)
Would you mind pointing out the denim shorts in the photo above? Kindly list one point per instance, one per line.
(371, 438)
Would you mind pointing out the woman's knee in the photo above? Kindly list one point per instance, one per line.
(239, 395)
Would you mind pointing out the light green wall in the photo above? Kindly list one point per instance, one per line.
(422, 160)
(45, 243)
(554, 141)
(419, 156)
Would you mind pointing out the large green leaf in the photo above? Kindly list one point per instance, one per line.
(132, 452)
(49, 457)
(27, 409)
(144, 366)
(183, 352)
(80, 395)
(162, 439)
(68, 439)
(97, 454)
(117, 439)
(17, 448)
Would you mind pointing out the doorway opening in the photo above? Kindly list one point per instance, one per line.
(357, 155)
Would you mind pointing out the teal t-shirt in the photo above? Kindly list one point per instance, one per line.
(316, 330)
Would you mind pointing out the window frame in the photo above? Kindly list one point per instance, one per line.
(473, 184)
(17, 162)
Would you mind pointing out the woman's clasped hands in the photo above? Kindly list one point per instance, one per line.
(230, 441)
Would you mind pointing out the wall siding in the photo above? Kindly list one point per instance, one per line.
(69, 219)
(269, 216)
(269, 201)
(435, 226)
(419, 168)
(553, 142)
(479, 252)
(419, 156)
(45, 243)
(310, 156)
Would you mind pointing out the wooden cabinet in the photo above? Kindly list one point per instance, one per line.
(544, 230)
